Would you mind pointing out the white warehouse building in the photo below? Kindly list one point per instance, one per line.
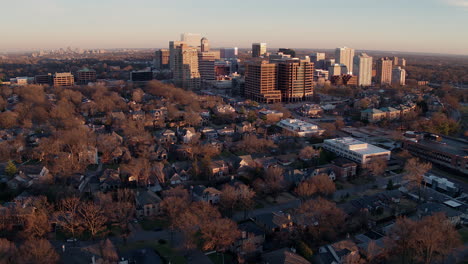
(355, 150)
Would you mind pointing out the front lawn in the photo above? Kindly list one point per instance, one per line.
(149, 224)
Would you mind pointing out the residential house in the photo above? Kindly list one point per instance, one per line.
(110, 180)
(251, 234)
(209, 133)
(274, 221)
(219, 168)
(245, 127)
(337, 253)
(202, 193)
(166, 137)
(160, 153)
(325, 169)
(147, 204)
(27, 176)
(344, 168)
(454, 216)
(186, 135)
(227, 131)
(283, 256)
(364, 240)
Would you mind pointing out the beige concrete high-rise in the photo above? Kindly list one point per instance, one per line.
(63, 79)
(345, 56)
(186, 73)
(191, 39)
(384, 71)
(363, 69)
(261, 82)
(259, 49)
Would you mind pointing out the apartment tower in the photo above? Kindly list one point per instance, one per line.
(384, 71)
(399, 76)
(363, 69)
(345, 56)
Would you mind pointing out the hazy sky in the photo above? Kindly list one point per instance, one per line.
(406, 25)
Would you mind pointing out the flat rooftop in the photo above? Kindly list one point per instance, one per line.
(356, 145)
(448, 145)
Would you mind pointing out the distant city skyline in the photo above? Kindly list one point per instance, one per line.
(430, 26)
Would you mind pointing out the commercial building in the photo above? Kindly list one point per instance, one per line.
(355, 150)
(64, 79)
(191, 39)
(261, 82)
(399, 76)
(295, 80)
(186, 73)
(85, 76)
(344, 79)
(363, 69)
(445, 151)
(145, 75)
(345, 56)
(318, 58)
(384, 71)
(259, 49)
(300, 128)
(288, 51)
(206, 67)
(228, 53)
(172, 50)
(161, 59)
(205, 45)
(46, 79)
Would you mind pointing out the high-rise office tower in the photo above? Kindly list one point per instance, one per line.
(384, 71)
(161, 59)
(191, 39)
(399, 76)
(318, 58)
(363, 69)
(288, 51)
(229, 53)
(259, 49)
(205, 45)
(295, 80)
(334, 70)
(206, 65)
(86, 76)
(345, 56)
(186, 73)
(63, 79)
(261, 82)
(172, 50)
